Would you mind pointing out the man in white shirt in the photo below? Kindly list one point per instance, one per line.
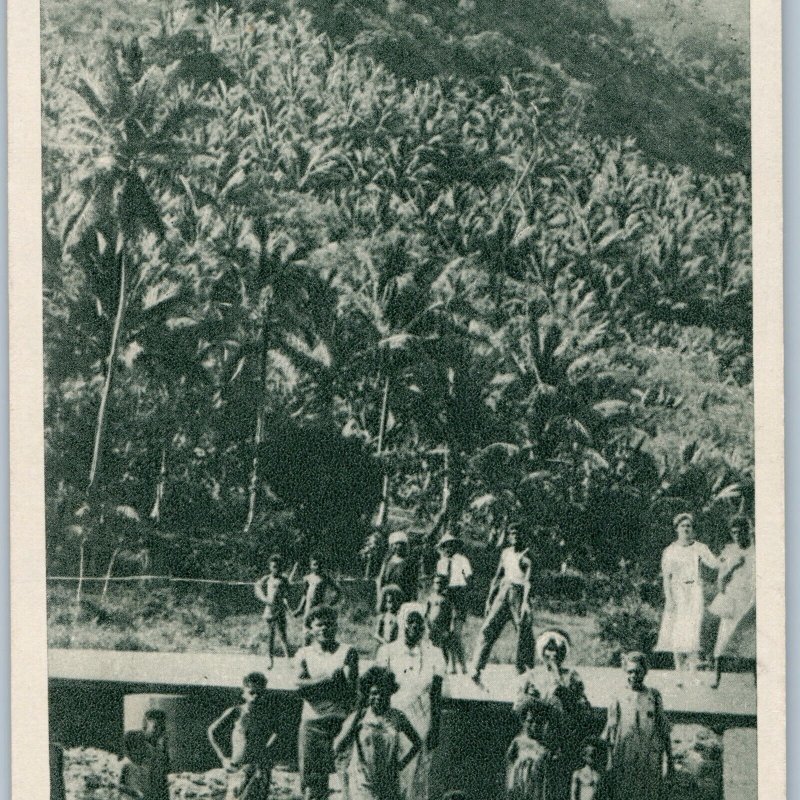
(456, 568)
(508, 600)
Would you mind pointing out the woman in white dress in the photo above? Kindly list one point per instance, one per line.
(683, 594)
(419, 668)
(735, 604)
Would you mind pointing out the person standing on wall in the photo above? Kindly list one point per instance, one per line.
(508, 601)
(684, 605)
(456, 567)
(398, 569)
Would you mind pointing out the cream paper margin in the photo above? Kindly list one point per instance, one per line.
(29, 735)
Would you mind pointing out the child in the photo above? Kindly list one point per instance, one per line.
(249, 766)
(388, 627)
(638, 736)
(155, 729)
(398, 568)
(439, 618)
(273, 591)
(589, 782)
(529, 761)
(562, 687)
(140, 777)
(457, 569)
(155, 732)
(316, 585)
(374, 734)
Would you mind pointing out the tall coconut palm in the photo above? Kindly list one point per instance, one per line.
(117, 133)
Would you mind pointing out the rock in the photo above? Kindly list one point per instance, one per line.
(697, 756)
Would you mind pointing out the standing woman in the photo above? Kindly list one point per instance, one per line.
(683, 594)
(563, 689)
(419, 668)
(736, 602)
(327, 677)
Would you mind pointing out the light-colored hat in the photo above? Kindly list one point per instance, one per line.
(446, 538)
(552, 638)
(681, 517)
(398, 536)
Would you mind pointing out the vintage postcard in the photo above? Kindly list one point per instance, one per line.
(396, 400)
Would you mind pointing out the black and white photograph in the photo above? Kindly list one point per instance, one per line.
(395, 382)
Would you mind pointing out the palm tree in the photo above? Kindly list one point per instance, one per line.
(117, 133)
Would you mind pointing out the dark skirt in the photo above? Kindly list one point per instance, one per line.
(315, 749)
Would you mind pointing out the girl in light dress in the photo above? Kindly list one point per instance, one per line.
(380, 739)
(531, 769)
(638, 737)
(683, 595)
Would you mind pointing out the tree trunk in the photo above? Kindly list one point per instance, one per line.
(155, 512)
(112, 356)
(79, 590)
(259, 433)
(109, 573)
(383, 508)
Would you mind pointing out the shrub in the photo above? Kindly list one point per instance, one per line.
(629, 625)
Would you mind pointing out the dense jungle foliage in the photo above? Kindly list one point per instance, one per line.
(314, 266)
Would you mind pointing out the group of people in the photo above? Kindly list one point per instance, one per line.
(684, 597)
(444, 610)
(378, 731)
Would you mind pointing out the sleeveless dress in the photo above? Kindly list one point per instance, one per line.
(736, 636)
(415, 669)
(373, 772)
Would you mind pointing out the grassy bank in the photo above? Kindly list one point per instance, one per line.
(185, 618)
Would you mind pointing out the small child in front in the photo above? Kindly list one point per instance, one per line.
(530, 771)
(155, 732)
(388, 628)
(142, 775)
(439, 618)
(589, 782)
(273, 591)
(249, 765)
